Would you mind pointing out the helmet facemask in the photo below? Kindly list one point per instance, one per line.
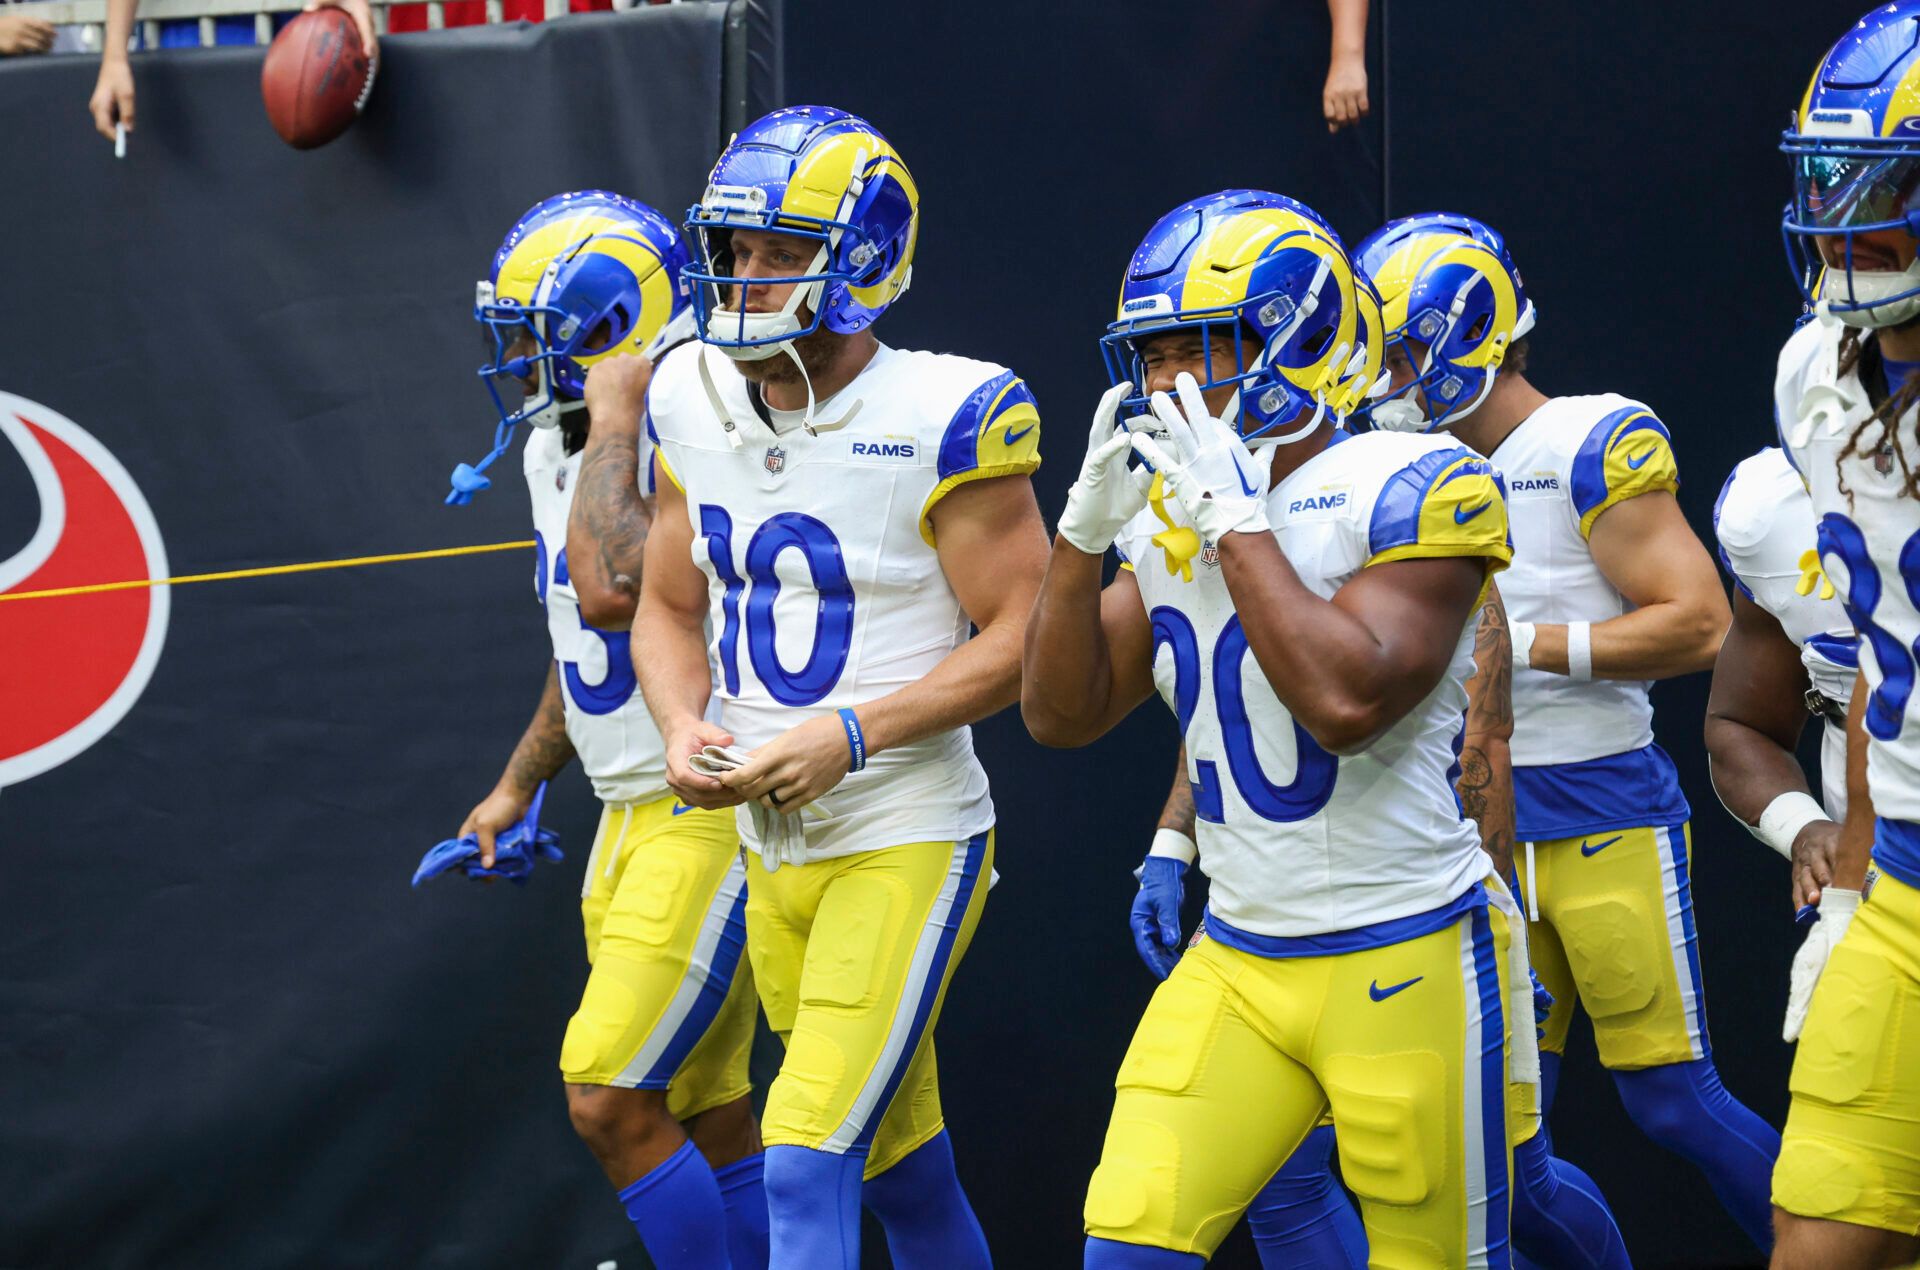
(1844, 188)
(1265, 404)
(846, 257)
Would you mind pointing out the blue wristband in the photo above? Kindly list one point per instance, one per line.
(856, 743)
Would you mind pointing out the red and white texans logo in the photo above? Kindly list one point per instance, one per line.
(72, 666)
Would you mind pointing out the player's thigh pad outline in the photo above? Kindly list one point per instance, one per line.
(1620, 907)
(669, 1003)
(853, 956)
(1851, 1148)
(1407, 1040)
(1208, 1104)
(1418, 1081)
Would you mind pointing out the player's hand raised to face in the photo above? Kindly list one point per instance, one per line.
(496, 813)
(691, 787)
(796, 767)
(617, 392)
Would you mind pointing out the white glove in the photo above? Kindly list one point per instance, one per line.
(1836, 913)
(783, 839)
(1106, 496)
(1218, 483)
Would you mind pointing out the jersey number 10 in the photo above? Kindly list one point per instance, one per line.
(833, 620)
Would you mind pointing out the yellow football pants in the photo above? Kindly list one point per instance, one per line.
(1615, 933)
(1238, 1056)
(1851, 1148)
(852, 957)
(669, 1003)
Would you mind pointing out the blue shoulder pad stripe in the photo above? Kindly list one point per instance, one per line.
(1590, 464)
(959, 446)
(1396, 514)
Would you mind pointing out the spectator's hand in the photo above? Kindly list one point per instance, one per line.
(112, 95)
(20, 34)
(362, 16)
(1344, 99)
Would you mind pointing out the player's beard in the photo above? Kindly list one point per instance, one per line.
(816, 351)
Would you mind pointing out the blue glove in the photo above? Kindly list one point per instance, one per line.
(513, 851)
(1542, 1005)
(1156, 912)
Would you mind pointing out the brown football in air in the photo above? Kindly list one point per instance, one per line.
(316, 78)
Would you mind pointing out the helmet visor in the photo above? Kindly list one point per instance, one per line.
(1850, 189)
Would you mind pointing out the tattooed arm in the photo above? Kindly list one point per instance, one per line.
(543, 750)
(607, 530)
(1486, 762)
(1178, 815)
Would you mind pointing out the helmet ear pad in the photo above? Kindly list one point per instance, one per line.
(869, 259)
(600, 303)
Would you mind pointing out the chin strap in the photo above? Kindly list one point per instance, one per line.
(813, 427)
(1305, 430)
(469, 478)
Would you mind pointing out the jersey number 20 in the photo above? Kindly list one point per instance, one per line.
(1314, 771)
(833, 619)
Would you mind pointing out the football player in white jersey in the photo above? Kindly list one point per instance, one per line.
(1609, 590)
(1303, 1216)
(841, 512)
(1306, 609)
(1791, 653)
(1847, 1188)
(655, 1060)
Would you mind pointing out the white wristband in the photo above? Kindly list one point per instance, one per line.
(1174, 845)
(1521, 635)
(1580, 651)
(1784, 818)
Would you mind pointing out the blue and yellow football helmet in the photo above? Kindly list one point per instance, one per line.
(1453, 301)
(1261, 270)
(581, 277)
(1365, 377)
(816, 173)
(1855, 149)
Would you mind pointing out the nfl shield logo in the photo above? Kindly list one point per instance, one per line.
(560, 480)
(776, 461)
(1210, 555)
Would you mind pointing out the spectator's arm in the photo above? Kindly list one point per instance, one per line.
(112, 101)
(20, 34)
(1344, 99)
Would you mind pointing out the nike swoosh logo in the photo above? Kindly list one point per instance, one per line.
(1013, 438)
(1637, 464)
(1598, 847)
(681, 809)
(1379, 993)
(1462, 515)
(1245, 488)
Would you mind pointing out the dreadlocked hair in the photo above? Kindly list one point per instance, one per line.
(1898, 403)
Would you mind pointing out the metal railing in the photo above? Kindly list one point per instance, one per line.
(91, 15)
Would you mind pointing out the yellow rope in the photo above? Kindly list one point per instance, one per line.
(310, 566)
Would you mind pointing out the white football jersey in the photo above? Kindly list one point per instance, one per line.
(1764, 522)
(1583, 753)
(1868, 534)
(1296, 840)
(607, 718)
(826, 591)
